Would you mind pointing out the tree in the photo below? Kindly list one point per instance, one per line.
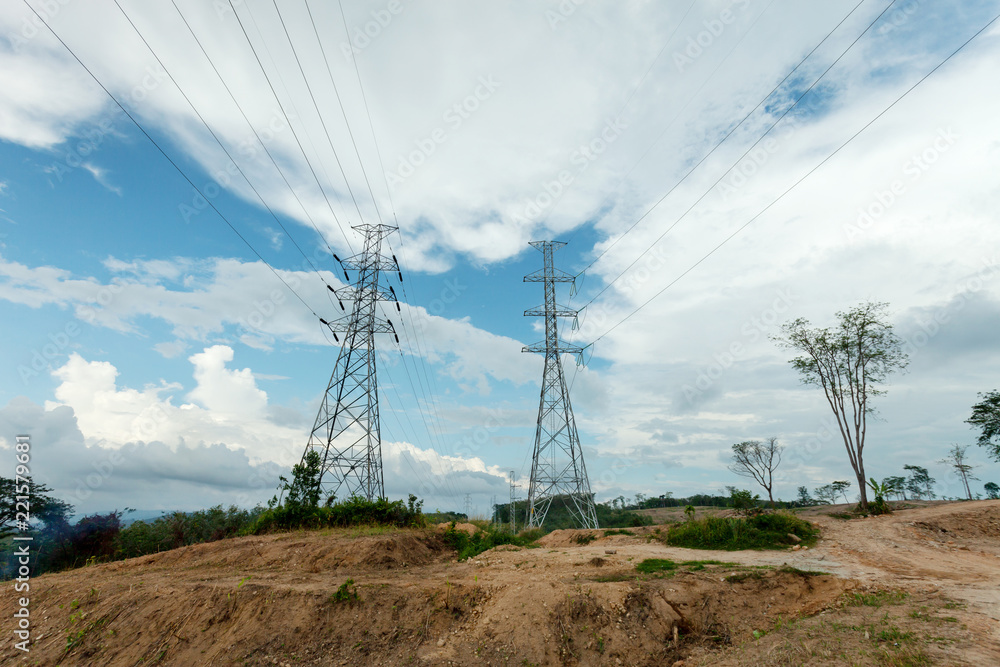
(849, 362)
(42, 506)
(992, 490)
(303, 491)
(826, 494)
(758, 460)
(840, 488)
(804, 498)
(896, 485)
(956, 459)
(920, 483)
(986, 416)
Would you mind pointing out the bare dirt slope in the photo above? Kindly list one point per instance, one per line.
(918, 587)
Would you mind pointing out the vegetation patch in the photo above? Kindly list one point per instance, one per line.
(877, 598)
(761, 531)
(584, 538)
(609, 533)
(482, 540)
(651, 565)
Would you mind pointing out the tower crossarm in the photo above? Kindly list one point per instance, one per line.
(561, 348)
(557, 276)
(559, 311)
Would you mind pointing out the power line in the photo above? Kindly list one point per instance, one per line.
(677, 115)
(319, 113)
(292, 128)
(724, 138)
(252, 128)
(804, 177)
(180, 171)
(738, 160)
(326, 62)
(216, 137)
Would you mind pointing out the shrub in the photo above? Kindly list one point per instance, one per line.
(482, 540)
(761, 531)
(353, 512)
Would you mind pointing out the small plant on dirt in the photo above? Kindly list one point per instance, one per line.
(744, 576)
(879, 504)
(616, 531)
(584, 538)
(651, 565)
(689, 513)
(346, 593)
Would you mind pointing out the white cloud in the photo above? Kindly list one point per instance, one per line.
(101, 176)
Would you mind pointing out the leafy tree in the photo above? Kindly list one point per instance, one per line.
(804, 498)
(992, 490)
(303, 491)
(757, 460)
(42, 506)
(840, 488)
(986, 417)
(744, 502)
(849, 362)
(920, 484)
(895, 485)
(956, 459)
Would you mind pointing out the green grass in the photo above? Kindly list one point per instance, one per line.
(651, 565)
(584, 538)
(614, 531)
(744, 576)
(763, 531)
(482, 540)
(346, 593)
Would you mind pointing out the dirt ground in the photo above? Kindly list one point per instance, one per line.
(919, 587)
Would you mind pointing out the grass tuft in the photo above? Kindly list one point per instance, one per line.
(651, 565)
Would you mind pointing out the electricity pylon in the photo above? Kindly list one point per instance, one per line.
(557, 468)
(347, 433)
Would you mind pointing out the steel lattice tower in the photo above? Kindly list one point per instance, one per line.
(346, 433)
(557, 467)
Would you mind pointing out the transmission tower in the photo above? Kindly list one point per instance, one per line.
(346, 433)
(513, 501)
(557, 468)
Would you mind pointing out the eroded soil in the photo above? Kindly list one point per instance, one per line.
(921, 586)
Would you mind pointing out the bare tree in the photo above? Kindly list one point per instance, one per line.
(956, 459)
(757, 460)
(849, 362)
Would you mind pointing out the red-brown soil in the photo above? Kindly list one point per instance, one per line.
(921, 586)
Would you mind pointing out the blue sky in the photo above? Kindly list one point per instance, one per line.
(149, 351)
